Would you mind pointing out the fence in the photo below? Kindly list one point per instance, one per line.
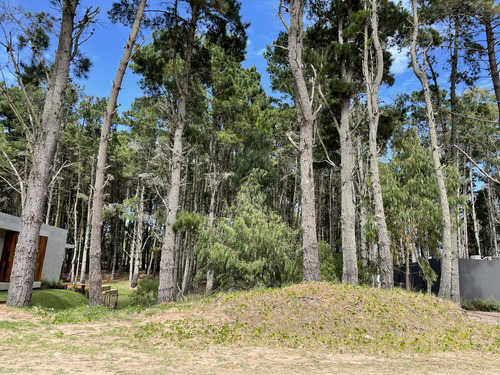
(478, 278)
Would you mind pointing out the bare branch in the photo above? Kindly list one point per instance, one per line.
(328, 160)
(22, 189)
(278, 46)
(294, 144)
(325, 101)
(483, 172)
(280, 14)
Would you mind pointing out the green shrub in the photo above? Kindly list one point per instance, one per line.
(51, 284)
(330, 263)
(466, 304)
(488, 304)
(146, 293)
(250, 246)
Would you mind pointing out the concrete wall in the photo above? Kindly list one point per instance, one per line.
(56, 244)
(479, 278)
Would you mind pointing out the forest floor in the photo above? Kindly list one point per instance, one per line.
(281, 331)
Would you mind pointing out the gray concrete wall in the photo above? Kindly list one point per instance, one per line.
(56, 243)
(54, 255)
(479, 278)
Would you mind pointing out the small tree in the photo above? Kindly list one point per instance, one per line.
(252, 245)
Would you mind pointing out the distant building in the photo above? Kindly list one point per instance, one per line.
(51, 248)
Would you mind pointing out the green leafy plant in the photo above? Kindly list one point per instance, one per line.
(251, 246)
(489, 304)
(146, 293)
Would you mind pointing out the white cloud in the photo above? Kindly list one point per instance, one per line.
(400, 60)
(253, 51)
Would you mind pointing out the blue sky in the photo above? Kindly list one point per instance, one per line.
(105, 48)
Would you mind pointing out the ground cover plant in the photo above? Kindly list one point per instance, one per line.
(294, 329)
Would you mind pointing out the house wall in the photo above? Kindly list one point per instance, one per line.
(54, 254)
(2, 241)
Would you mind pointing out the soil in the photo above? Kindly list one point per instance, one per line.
(214, 359)
(484, 317)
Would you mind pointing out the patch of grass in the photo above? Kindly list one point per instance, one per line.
(57, 299)
(318, 315)
(340, 317)
(53, 299)
(14, 326)
(124, 292)
(81, 314)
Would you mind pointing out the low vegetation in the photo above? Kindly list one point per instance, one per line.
(339, 317)
(54, 299)
(488, 304)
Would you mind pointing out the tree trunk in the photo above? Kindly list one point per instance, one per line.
(22, 274)
(138, 239)
(116, 245)
(88, 228)
(348, 210)
(445, 290)
(475, 224)
(187, 265)
(491, 43)
(372, 88)
(166, 291)
(152, 256)
(455, 282)
(95, 277)
(75, 230)
(211, 218)
(306, 121)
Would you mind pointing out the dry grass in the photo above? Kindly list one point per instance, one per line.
(308, 328)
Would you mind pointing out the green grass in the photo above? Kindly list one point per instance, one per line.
(124, 293)
(342, 318)
(60, 299)
(56, 299)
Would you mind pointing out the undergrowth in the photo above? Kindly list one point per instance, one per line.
(342, 318)
(489, 304)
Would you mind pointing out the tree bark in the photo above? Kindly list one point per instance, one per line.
(95, 277)
(306, 121)
(372, 88)
(138, 239)
(455, 282)
(348, 209)
(166, 291)
(75, 231)
(445, 290)
(22, 274)
(492, 57)
(475, 225)
(88, 228)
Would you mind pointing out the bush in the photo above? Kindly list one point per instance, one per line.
(146, 293)
(466, 304)
(51, 284)
(251, 246)
(488, 305)
(330, 263)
